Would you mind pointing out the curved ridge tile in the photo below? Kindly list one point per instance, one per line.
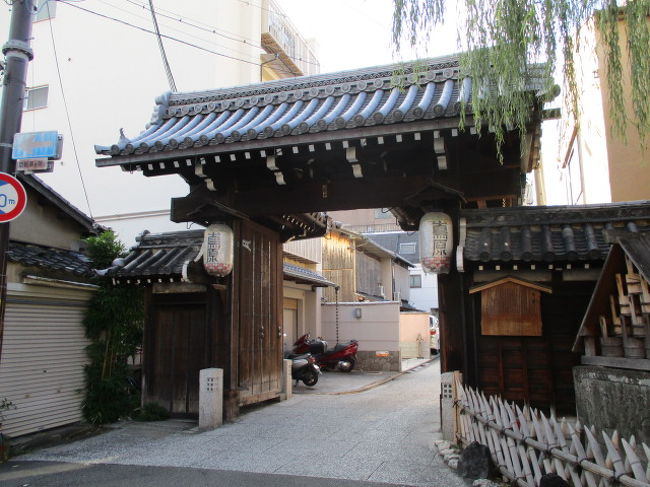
(335, 112)
(210, 124)
(425, 101)
(173, 139)
(295, 108)
(179, 138)
(142, 135)
(229, 121)
(261, 115)
(369, 108)
(225, 132)
(443, 102)
(191, 135)
(287, 127)
(260, 126)
(406, 103)
(162, 139)
(354, 107)
(130, 147)
(322, 110)
(388, 105)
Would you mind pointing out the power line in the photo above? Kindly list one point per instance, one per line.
(169, 27)
(211, 30)
(67, 113)
(162, 35)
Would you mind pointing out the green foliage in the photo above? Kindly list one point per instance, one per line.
(502, 39)
(151, 412)
(103, 249)
(5, 405)
(113, 322)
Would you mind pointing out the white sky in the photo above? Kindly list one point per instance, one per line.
(355, 33)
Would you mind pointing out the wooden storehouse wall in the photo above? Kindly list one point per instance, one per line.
(338, 266)
(369, 275)
(537, 370)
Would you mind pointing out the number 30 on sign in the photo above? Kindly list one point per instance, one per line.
(13, 197)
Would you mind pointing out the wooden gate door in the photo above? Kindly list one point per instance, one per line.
(176, 349)
(260, 314)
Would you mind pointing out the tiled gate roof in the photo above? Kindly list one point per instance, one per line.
(379, 95)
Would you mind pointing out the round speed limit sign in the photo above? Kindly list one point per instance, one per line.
(13, 197)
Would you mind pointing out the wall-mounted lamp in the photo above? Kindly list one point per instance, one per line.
(357, 313)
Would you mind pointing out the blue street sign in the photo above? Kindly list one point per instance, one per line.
(33, 145)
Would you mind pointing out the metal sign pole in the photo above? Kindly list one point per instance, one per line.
(17, 53)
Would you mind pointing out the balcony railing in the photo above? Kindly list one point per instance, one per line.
(280, 36)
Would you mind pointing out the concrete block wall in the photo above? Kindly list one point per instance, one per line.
(376, 325)
(614, 399)
(384, 361)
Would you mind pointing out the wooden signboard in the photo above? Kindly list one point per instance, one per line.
(511, 307)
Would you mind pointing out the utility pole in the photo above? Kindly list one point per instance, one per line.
(18, 54)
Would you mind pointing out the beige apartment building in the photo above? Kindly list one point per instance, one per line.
(591, 163)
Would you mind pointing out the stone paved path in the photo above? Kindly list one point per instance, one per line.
(382, 435)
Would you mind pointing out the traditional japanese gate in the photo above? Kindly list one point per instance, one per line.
(267, 154)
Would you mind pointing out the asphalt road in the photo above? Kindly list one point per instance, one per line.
(383, 436)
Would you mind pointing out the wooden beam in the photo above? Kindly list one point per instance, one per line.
(306, 198)
(617, 362)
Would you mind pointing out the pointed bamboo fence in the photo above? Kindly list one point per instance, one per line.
(525, 445)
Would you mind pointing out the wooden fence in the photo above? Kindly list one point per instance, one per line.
(525, 444)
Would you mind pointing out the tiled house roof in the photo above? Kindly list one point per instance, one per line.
(160, 257)
(550, 233)
(50, 258)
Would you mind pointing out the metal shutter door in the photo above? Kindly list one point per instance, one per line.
(43, 358)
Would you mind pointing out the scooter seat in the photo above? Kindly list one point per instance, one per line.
(341, 346)
(297, 356)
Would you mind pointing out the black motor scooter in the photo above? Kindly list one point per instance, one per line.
(304, 368)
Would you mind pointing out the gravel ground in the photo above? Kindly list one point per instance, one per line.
(384, 434)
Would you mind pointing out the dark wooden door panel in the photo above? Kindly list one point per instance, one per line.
(260, 278)
(179, 347)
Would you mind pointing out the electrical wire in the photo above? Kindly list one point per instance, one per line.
(161, 47)
(180, 41)
(211, 30)
(67, 114)
(169, 27)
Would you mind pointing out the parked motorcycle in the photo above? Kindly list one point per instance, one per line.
(343, 357)
(304, 368)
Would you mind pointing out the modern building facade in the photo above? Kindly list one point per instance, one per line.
(85, 54)
(592, 163)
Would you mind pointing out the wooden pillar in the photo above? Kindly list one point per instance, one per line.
(231, 370)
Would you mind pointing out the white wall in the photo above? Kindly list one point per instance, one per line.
(424, 298)
(377, 329)
(111, 74)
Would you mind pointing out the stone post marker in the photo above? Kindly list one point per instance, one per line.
(210, 399)
(448, 413)
(287, 381)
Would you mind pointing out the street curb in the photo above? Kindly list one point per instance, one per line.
(378, 383)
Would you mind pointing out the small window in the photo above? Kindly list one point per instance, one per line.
(36, 98)
(416, 280)
(407, 248)
(46, 10)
